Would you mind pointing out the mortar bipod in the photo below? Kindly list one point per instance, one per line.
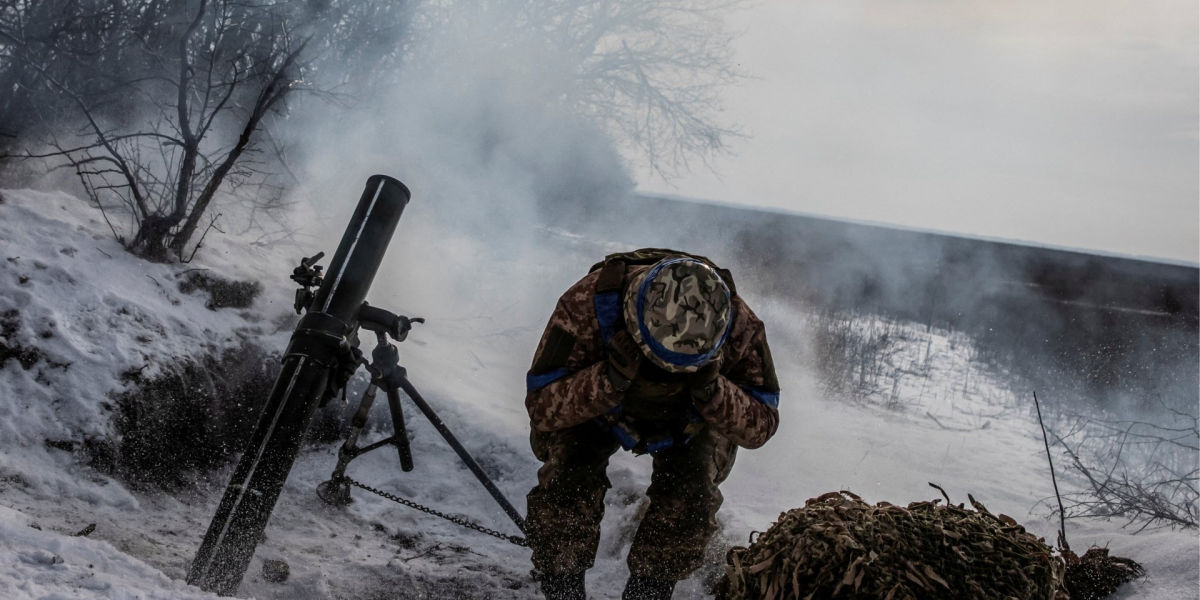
(387, 373)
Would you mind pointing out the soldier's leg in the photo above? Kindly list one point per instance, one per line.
(684, 498)
(566, 506)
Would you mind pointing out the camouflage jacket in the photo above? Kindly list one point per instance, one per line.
(568, 385)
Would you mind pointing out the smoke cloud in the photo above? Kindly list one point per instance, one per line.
(473, 126)
(515, 196)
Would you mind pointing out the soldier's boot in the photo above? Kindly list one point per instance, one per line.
(563, 587)
(648, 588)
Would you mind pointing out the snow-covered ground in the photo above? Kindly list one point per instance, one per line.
(94, 312)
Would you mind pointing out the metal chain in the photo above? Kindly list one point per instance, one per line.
(520, 541)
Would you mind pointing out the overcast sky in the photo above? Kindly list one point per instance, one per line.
(1064, 122)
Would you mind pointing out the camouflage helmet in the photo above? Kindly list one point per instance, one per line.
(679, 312)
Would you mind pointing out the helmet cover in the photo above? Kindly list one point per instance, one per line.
(679, 312)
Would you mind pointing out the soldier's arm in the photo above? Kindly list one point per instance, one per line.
(568, 383)
(743, 404)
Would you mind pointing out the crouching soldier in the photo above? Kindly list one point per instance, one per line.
(652, 351)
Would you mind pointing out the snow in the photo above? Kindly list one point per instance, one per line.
(934, 415)
(85, 304)
(49, 565)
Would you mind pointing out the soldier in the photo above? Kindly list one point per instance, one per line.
(652, 351)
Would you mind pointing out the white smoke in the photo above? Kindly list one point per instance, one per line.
(474, 126)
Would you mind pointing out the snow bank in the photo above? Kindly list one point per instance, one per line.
(934, 416)
(94, 313)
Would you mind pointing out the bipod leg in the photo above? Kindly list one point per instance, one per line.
(336, 491)
(412, 392)
(400, 437)
(385, 367)
(386, 373)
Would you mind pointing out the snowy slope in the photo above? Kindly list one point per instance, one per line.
(44, 564)
(934, 416)
(94, 313)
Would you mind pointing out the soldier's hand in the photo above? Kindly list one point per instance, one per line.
(703, 383)
(624, 359)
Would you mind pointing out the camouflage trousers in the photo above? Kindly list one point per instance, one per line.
(566, 506)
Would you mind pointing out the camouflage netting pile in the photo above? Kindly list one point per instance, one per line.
(838, 547)
(1096, 575)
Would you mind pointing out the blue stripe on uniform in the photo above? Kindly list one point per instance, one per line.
(623, 436)
(660, 445)
(537, 382)
(769, 398)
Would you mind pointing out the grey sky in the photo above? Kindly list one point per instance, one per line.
(1065, 122)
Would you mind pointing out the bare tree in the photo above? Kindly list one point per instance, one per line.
(648, 71)
(211, 67)
(30, 29)
(172, 98)
(653, 72)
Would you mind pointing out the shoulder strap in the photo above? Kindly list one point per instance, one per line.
(607, 297)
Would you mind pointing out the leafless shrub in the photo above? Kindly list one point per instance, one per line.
(222, 292)
(1146, 473)
(189, 419)
(855, 355)
(173, 427)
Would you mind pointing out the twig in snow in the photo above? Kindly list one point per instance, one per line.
(947, 427)
(1062, 513)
